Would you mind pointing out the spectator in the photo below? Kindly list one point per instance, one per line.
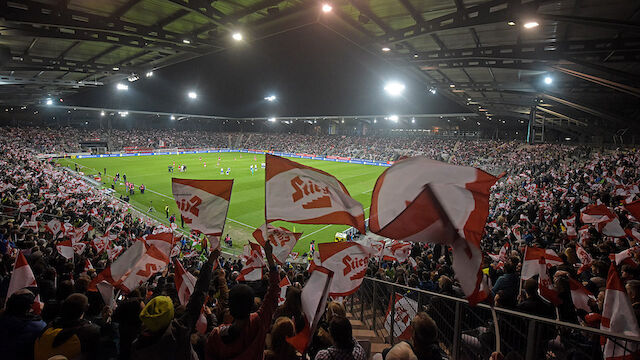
(19, 327)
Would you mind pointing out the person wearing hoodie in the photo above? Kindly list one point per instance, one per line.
(165, 337)
(19, 326)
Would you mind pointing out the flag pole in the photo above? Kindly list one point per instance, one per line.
(497, 328)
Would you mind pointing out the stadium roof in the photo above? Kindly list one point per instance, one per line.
(478, 53)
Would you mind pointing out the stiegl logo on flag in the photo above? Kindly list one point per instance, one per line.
(189, 207)
(353, 265)
(309, 189)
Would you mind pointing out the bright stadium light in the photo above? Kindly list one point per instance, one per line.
(531, 24)
(173, 117)
(237, 36)
(375, 121)
(102, 113)
(432, 91)
(49, 102)
(393, 118)
(413, 120)
(386, 49)
(192, 95)
(186, 41)
(326, 8)
(149, 74)
(271, 98)
(123, 113)
(115, 68)
(548, 80)
(511, 23)
(122, 87)
(394, 88)
(272, 119)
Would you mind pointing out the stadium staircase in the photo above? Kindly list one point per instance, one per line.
(372, 341)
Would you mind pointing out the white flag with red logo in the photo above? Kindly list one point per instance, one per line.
(348, 261)
(185, 282)
(397, 251)
(284, 285)
(605, 220)
(618, 317)
(281, 239)
(65, 248)
(377, 245)
(584, 258)
(21, 277)
(302, 194)
(533, 257)
(87, 265)
(504, 252)
(54, 226)
(163, 241)
(627, 256)
(634, 209)
(254, 262)
(203, 203)
(580, 295)
(100, 243)
(114, 251)
(570, 225)
(424, 200)
(546, 289)
(133, 267)
(405, 309)
(33, 225)
(314, 299)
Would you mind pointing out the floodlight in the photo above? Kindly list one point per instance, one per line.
(122, 87)
(393, 118)
(102, 113)
(326, 8)
(413, 120)
(149, 74)
(192, 95)
(49, 102)
(511, 23)
(394, 88)
(272, 119)
(115, 68)
(531, 24)
(237, 36)
(432, 90)
(271, 98)
(186, 41)
(386, 49)
(452, 85)
(548, 80)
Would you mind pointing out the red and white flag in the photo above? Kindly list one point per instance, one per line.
(185, 282)
(618, 317)
(504, 251)
(163, 241)
(133, 267)
(254, 262)
(114, 251)
(65, 248)
(100, 243)
(627, 256)
(25, 206)
(281, 239)
(314, 299)
(348, 261)
(284, 285)
(397, 251)
(605, 220)
(633, 234)
(424, 200)
(54, 226)
(304, 195)
(33, 225)
(570, 225)
(580, 295)
(545, 287)
(405, 309)
(203, 204)
(78, 247)
(584, 258)
(533, 257)
(22, 276)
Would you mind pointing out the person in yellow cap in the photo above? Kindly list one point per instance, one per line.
(166, 337)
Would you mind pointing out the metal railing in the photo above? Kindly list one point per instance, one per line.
(471, 332)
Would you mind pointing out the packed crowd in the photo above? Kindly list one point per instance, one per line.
(538, 202)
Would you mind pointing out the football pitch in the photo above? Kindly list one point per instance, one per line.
(246, 209)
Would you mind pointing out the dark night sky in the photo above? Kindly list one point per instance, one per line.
(312, 70)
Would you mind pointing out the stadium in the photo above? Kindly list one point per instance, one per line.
(347, 179)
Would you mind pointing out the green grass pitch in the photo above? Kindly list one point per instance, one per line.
(246, 210)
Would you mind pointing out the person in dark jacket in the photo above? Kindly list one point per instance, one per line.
(165, 337)
(19, 327)
(69, 335)
(508, 283)
(533, 303)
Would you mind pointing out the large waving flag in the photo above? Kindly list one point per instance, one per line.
(281, 239)
(22, 276)
(254, 262)
(605, 220)
(348, 261)
(302, 194)
(618, 317)
(634, 209)
(405, 310)
(132, 267)
(396, 251)
(203, 204)
(314, 299)
(163, 241)
(533, 257)
(420, 199)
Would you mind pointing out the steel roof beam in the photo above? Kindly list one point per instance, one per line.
(364, 9)
(415, 14)
(35, 13)
(13, 80)
(122, 10)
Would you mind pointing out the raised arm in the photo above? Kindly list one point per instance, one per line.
(196, 300)
(265, 312)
